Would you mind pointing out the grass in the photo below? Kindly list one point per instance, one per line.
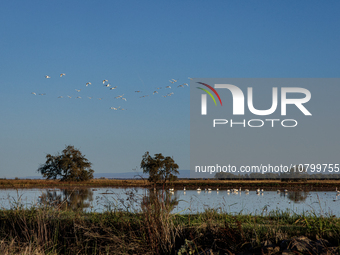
(153, 229)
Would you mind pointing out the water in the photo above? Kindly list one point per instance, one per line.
(324, 203)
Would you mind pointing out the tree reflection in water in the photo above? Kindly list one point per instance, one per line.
(160, 200)
(72, 199)
(296, 196)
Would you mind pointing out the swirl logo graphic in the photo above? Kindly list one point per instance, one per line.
(204, 97)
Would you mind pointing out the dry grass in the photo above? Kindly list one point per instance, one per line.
(189, 184)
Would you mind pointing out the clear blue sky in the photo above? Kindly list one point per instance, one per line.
(140, 45)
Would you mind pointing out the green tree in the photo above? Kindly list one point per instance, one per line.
(160, 168)
(70, 165)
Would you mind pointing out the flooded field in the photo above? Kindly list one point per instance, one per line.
(184, 201)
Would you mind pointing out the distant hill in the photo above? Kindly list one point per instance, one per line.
(137, 175)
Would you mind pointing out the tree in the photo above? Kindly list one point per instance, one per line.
(160, 168)
(70, 165)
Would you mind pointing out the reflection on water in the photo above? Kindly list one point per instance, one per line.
(179, 201)
(74, 199)
(297, 196)
(160, 200)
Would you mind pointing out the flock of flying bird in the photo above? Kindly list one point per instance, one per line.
(108, 85)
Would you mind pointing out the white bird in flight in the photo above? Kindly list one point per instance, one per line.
(78, 97)
(113, 88)
(105, 81)
(168, 87)
(88, 83)
(42, 94)
(100, 98)
(34, 93)
(69, 96)
(60, 97)
(119, 96)
(155, 92)
(90, 97)
(107, 85)
(78, 90)
(138, 91)
(62, 74)
(47, 77)
(190, 78)
(180, 86)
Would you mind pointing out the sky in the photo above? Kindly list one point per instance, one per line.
(140, 46)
